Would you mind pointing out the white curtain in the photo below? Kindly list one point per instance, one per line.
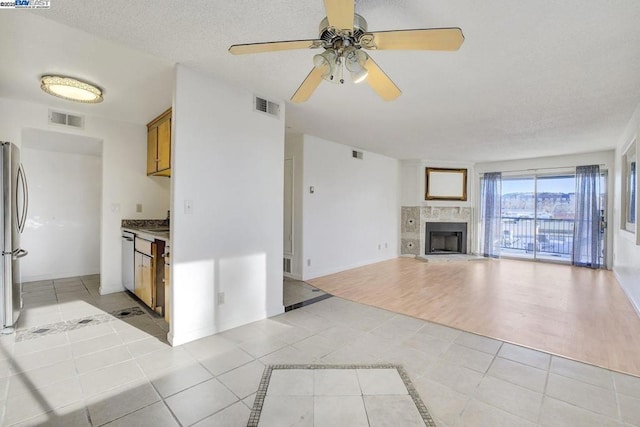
(587, 241)
(490, 211)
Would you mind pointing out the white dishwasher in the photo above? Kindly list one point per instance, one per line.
(128, 270)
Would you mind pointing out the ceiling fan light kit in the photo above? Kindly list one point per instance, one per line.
(354, 62)
(343, 33)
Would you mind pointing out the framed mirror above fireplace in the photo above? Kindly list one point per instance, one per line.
(446, 184)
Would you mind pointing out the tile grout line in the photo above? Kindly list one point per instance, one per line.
(615, 392)
(472, 395)
(544, 389)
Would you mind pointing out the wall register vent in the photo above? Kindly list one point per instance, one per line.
(266, 106)
(287, 265)
(66, 119)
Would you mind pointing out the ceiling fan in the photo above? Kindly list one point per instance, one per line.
(343, 35)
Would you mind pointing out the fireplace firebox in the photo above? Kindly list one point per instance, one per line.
(445, 238)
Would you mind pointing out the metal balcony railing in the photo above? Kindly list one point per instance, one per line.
(545, 236)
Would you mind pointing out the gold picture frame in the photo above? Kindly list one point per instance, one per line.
(445, 184)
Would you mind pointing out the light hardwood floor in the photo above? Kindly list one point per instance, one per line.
(574, 312)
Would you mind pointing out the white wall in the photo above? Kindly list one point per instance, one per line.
(414, 183)
(548, 164)
(229, 163)
(353, 216)
(124, 180)
(62, 233)
(293, 149)
(626, 264)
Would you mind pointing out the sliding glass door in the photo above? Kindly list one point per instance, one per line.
(555, 217)
(518, 204)
(538, 215)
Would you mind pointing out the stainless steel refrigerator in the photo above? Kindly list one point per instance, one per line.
(13, 216)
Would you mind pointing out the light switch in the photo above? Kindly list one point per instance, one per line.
(188, 207)
(139, 207)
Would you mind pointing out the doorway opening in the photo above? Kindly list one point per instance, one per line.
(63, 226)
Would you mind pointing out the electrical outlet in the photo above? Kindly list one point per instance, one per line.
(379, 246)
(386, 245)
(220, 298)
(309, 262)
(139, 207)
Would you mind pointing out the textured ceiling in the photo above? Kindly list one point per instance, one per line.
(533, 78)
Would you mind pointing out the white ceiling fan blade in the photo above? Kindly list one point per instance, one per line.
(309, 85)
(380, 82)
(425, 39)
(340, 13)
(242, 49)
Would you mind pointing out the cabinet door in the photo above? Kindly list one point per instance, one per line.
(143, 278)
(152, 150)
(164, 145)
(137, 286)
(145, 292)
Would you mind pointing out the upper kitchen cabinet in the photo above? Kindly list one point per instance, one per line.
(159, 145)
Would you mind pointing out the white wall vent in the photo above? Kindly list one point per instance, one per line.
(357, 154)
(266, 106)
(286, 265)
(66, 119)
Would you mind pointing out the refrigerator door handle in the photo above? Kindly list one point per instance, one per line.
(22, 220)
(20, 253)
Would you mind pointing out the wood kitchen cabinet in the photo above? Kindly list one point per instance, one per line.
(143, 282)
(144, 285)
(159, 145)
(150, 285)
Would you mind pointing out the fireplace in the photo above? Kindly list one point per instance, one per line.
(445, 238)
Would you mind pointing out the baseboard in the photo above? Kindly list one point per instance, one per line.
(56, 276)
(327, 272)
(189, 336)
(111, 289)
(293, 276)
(635, 304)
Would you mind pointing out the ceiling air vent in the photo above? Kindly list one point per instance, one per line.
(266, 106)
(65, 119)
(356, 154)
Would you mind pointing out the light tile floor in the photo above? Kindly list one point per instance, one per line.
(122, 372)
(297, 291)
(337, 396)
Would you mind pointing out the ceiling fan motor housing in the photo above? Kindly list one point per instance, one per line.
(339, 39)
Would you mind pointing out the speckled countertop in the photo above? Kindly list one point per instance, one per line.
(144, 228)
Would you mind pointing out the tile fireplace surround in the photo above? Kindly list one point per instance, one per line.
(414, 219)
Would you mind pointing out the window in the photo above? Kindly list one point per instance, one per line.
(630, 188)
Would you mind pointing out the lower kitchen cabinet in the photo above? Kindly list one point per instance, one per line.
(150, 285)
(144, 278)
